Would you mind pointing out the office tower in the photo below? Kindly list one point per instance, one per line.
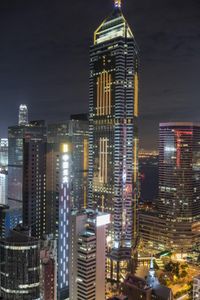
(78, 133)
(113, 137)
(34, 178)
(48, 256)
(15, 165)
(26, 171)
(59, 166)
(4, 153)
(88, 255)
(196, 288)
(3, 187)
(179, 182)
(20, 266)
(175, 225)
(23, 115)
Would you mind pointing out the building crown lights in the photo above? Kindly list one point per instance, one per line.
(118, 3)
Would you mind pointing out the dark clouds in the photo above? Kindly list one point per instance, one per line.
(44, 58)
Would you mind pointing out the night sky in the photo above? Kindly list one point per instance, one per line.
(44, 59)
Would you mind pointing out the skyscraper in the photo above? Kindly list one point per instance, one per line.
(34, 178)
(175, 225)
(4, 153)
(113, 137)
(15, 165)
(23, 115)
(179, 182)
(59, 198)
(3, 187)
(88, 255)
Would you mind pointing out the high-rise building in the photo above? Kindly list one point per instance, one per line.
(88, 255)
(4, 153)
(20, 266)
(26, 163)
(3, 187)
(78, 134)
(15, 165)
(179, 182)
(34, 178)
(175, 226)
(23, 115)
(113, 136)
(59, 166)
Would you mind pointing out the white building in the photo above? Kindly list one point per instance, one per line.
(88, 255)
(196, 288)
(23, 115)
(3, 187)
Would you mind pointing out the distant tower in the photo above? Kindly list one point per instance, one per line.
(23, 115)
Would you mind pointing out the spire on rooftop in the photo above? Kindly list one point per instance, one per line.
(118, 3)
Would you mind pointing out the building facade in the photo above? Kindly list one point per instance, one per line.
(20, 266)
(23, 115)
(48, 279)
(34, 178)
(177, 221)
(113, 137)
(15, 165)
(88, 255)
(4, 153)
(3, 187)
(58, 195)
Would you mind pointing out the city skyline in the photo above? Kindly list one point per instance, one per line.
(38, 48)
(76, 222)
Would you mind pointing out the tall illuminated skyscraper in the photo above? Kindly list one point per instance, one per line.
(113, 138)
(179, 183)
(23, 115)
(175, 226)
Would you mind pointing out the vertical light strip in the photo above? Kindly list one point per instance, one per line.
(100, 155)
(103, 160)
(85, 197)
(109, 94)
(85, 156)
(106, 160)
(100, 106)
(136, 91)
(135, 186)
(98, 83)
(104, 93)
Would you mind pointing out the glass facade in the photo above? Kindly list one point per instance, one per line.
(20, 267)
(179, 182)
